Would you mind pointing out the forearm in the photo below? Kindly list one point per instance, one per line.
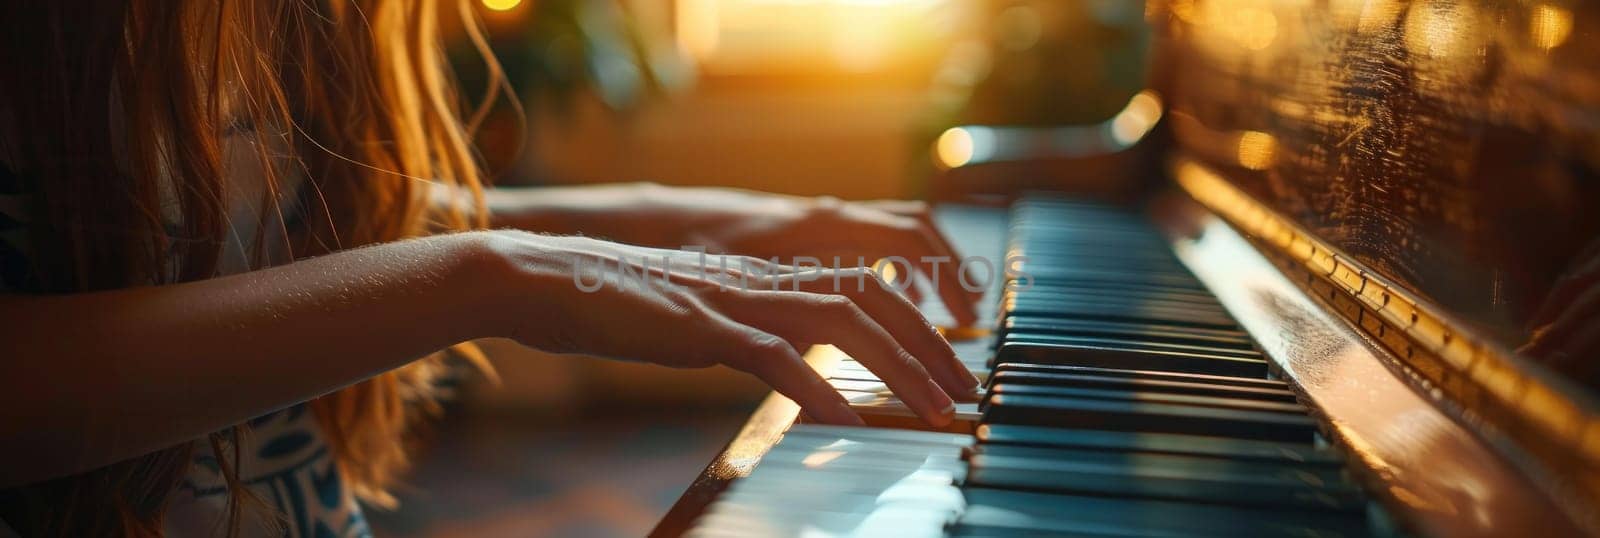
(634, 213)
(95, 378)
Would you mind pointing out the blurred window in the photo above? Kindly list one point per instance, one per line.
(767, 37)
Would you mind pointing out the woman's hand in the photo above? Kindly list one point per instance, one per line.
(133, 362)
(729, 221)
(579, 295)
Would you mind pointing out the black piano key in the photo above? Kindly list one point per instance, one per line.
(1311, 474)
(1146, 374)
(1057, 338)
(997, 389)
(1131, 383)
(1143, 416)
(1029, 213)
(1053, 235)
(1127, 329)
(1032, 216)
(1093, 293)
(1053, 275)
(1104, 242)
(1081, 272)
(1128, 358)
(855, 371)
(1087, 227)
(1133, 313)
(1028, 226)
(1161, 476)
(1160, 443)
(1095, 261)
(1138, 295)
(1128, 288)
(1176, 314)
(1013, 513)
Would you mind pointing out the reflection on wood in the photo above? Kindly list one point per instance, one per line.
(765, 427)
(1452, 146)
(1540, 420)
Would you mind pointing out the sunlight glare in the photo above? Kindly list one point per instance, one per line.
(501, 5)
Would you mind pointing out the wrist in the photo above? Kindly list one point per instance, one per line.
(477, 282)
(510, 281)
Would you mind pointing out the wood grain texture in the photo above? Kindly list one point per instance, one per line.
(1451, 145)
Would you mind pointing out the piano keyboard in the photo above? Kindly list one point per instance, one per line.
(1120, 399)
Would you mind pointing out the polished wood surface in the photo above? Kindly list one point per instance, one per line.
(1542, 422)
(1451, 145)
(1436, 471)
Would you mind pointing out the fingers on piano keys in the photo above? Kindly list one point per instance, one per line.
(1120, 399)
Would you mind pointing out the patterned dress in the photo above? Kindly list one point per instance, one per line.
(285, 460)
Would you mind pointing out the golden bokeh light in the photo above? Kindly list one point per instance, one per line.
(1256, 150)
(1549, 26)
(1253, 28)
(501, 5)
(1230, 30)
(954, 148)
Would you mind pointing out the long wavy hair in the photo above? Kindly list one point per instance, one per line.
(113, 115)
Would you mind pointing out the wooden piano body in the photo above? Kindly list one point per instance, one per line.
(1388, 197)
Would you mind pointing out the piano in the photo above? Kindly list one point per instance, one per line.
(1357, 294)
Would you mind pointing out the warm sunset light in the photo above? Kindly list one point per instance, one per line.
(848, 35)
(501, 5)
(800, 268)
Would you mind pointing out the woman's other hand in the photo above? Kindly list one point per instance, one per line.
(748, 223)
(580, 295)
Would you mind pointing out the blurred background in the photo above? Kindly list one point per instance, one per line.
(858, 99)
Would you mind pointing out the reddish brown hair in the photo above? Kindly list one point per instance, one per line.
(123, 103)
